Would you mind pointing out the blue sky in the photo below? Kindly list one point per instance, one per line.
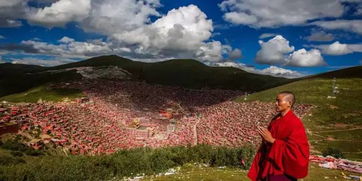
(288, 38)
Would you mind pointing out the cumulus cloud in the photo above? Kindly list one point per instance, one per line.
(1, 60)
(304, 58)
(24, 48)
(267, 35)
(346, 25)
(182, 28)
(273, 51)
(184, 32)
(40, 62)
(61, 12)
(338, 48)
(271, 70)
(263, 13)
(9, 23)
(281, 72)
(235, 54)
(277, 51)
(111, 17)
(359, 10)
(10, 11)
(320, 36)
(94, 15)
(68, 47)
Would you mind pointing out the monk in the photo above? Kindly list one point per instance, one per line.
(284, 152)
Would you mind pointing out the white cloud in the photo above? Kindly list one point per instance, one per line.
(273, 51)
(346, 25)
(61, 12)
(267, 35)
(277, 51)
(281, 72)
(66, 39)
(263, 13)
(2, 37)
(304, 58)
(182, 32)
(271, 70)
(359, 10)
(1, 60)
(236, 65)
(320, 36)
(241, 18)
(182, 28)
(235, 54)
(7, 4)
(68, 47)
(9, 23)
(185, 32)
(338, 48)
(41, 62)
(111, 17)
(10, 10)
(211, 51)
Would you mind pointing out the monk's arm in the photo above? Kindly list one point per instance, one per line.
(292, 152)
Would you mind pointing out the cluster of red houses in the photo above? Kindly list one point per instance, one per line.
(126, 114)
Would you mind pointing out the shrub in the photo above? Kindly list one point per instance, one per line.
(9, 160)
(332, 152)
(16, 146)
(124, 163)
(16, 153)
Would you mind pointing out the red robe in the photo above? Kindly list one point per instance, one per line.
(289, 154)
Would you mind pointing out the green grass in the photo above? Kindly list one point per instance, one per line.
(353, 134)
(197, 172)
(346, 109)
(189, 163)
(124, 163)
(43, 92)
(17, 82)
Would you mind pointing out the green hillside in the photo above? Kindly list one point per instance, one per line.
(17, 78)
(334, 122)
(186, 73)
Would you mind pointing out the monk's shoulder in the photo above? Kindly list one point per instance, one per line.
(296, 121)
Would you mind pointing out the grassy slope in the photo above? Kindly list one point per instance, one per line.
(334, 122)
(43, 92)
(195, 173)
(23, 87)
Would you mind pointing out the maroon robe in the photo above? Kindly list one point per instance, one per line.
(288, 155)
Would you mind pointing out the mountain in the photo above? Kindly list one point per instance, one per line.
(186, 73)
(351, 72)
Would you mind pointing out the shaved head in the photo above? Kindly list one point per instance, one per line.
(288, 96)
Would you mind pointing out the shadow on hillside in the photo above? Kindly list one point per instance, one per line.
(143, 96)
